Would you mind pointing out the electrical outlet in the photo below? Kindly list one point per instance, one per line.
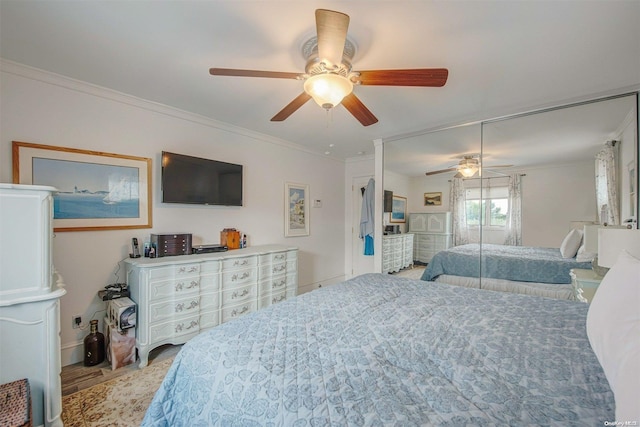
(76, 321)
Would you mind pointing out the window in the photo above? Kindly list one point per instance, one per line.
(491, 203)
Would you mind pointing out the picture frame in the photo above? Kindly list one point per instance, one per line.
(96, 190)
(296, 209)
(433, 199)
(398, 209)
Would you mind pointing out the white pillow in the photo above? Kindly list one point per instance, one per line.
(584, 256)
(613, 327)
(571, 243)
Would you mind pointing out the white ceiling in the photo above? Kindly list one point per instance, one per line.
(503, 57)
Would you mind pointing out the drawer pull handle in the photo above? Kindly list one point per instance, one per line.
(180, 307)
(279, 284)
(243, 262)
(280, 257)
(180, 286)
(191, 269)
(276, 300)
(236, 295)
(280, 268)
(180, 327)
(237, 312)
(244, 276)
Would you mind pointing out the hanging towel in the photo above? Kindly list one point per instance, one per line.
(367, 216)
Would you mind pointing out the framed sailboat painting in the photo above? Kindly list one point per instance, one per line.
(96, 190)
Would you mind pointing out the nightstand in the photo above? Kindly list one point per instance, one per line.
(585, 283)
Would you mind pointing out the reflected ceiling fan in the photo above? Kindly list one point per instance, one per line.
(467, 167)
(328, 77)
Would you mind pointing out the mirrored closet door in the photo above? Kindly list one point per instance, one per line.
(546, 157)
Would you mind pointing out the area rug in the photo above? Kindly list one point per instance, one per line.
(120, 402)
(411, 273)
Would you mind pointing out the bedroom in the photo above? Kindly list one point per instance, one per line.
(91, 111)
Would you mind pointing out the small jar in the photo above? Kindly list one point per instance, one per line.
(93, 346)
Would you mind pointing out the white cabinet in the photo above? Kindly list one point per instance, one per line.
(30, 291)
(397, 252)
(179, 297)
(432, 234)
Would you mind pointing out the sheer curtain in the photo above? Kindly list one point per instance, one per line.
(459, 212)
(514, 217)
(606, 184)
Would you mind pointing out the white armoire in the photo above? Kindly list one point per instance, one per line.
(30, 292)
(432, 234)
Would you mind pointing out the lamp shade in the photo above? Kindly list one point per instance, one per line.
(611, 241)
(328, 90)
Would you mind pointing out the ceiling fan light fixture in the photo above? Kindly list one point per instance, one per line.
(468, 171)
(328, 89)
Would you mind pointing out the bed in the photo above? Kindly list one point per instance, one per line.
(382, 350)
(519, 269)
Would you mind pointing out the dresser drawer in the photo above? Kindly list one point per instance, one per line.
(238, 295)
(273, 258)
(161, 311)
(240, 262)
(210, 301)
(173, 288)
(274, 284)
(273, 269)
(167, 330)
(235, 278)
(230, 313)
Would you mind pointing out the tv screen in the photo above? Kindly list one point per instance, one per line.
(193, 180)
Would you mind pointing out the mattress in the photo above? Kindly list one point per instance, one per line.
(382, 350)
(517, 263)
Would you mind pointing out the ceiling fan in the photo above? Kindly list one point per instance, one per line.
(467, 167)
(328, 77)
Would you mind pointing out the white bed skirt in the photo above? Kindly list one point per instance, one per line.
(549, 290)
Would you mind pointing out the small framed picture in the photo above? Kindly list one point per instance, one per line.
(296, 210)
(433, 199)
(399, 209)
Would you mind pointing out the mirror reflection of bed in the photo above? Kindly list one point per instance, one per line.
(552, 154)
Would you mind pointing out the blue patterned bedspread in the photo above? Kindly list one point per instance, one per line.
(519, 263)
(378, 350)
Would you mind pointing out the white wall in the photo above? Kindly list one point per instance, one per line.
(46, 109)
(551, 198)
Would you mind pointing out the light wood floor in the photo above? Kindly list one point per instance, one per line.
(77, 377)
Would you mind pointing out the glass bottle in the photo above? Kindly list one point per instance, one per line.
(93, 346)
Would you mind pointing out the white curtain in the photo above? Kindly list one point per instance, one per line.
(514, 217)
(459, 212)
(607, 185)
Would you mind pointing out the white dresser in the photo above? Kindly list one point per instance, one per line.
(30, 290)
(397, 252)
(181, 296)
(432, 234)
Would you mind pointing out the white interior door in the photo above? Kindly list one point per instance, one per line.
(360, 263)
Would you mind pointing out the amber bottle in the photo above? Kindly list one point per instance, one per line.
(93, 346)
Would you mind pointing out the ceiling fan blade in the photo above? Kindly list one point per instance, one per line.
(353, 104)
(291, 108)
(497, 166)
(252, 73)
(440, 171)
(331, 28)
(429, 77)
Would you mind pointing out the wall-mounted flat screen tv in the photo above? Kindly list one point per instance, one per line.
(194, 180)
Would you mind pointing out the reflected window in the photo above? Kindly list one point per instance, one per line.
(490, 210)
